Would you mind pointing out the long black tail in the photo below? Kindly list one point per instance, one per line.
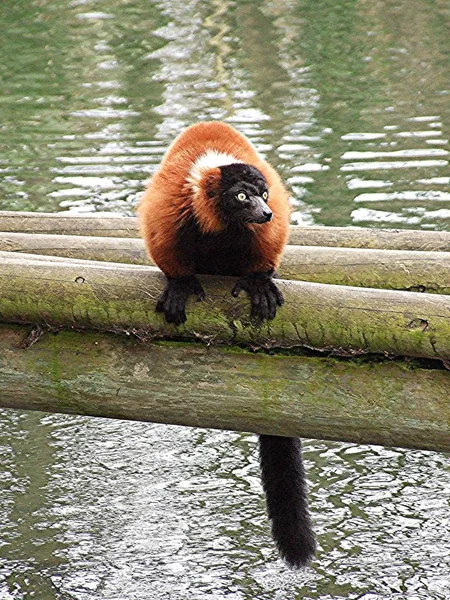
(284, 481)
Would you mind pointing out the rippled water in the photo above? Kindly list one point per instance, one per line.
(350, 100)
(106, 509)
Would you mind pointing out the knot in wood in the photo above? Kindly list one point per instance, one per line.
(418, 324)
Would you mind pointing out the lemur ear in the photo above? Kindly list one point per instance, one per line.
(211, 184)
(205, 201)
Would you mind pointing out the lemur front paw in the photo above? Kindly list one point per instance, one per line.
(264, 295)
(172, 301)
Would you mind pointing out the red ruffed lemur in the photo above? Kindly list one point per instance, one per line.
(216, 207)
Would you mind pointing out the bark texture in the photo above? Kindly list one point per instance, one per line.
(350, 237)
(394, 403)
(390, 269)
(116, 297)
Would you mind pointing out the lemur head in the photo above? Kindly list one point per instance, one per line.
(227, 192)
(243, 195)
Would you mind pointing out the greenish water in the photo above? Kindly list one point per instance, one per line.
(350, 100)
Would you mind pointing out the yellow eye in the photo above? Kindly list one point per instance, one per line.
(265, 195)
(241, 196)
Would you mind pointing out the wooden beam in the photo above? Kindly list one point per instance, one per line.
(351, 237)
(63, 223)
(387, 402)
(361, 237)
(110, 249)
(117, 297)
(389, 269)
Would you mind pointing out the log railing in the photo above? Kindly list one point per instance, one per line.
(408, 270)
(375, 401)
(80, 335)
(349, 237)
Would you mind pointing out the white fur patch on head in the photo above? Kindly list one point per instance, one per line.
(208, 160)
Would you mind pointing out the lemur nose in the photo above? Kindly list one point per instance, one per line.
(268, 215)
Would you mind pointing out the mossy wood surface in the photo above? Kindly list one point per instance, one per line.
(389, 269)
(351, 237)
(63, 223)
(362, 237)
(382, 402)
(117, 297)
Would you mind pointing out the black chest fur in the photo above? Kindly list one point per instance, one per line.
(228, 252)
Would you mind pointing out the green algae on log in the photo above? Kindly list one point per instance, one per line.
(106, 296)
(112, 226)
(388, 269)
(388, 402)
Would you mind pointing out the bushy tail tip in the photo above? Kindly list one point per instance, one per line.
(284, 482)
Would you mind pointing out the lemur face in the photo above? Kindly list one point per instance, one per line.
(243, 195)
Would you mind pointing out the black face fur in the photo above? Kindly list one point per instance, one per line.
(243, 195)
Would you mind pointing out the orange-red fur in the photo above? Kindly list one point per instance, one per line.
(169, 198)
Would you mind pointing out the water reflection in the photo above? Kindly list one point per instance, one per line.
(350, 102)
(31, 545)
(128, 510)
(93, 98)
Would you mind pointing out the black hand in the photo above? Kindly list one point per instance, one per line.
(264, 295)
(172, 301)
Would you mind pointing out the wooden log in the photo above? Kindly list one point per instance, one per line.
(65, 224)
(374, 402)
(407, 270)
(110, 249)
(361, 237)
(119, 297)
(388, 269)
(350, 237)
